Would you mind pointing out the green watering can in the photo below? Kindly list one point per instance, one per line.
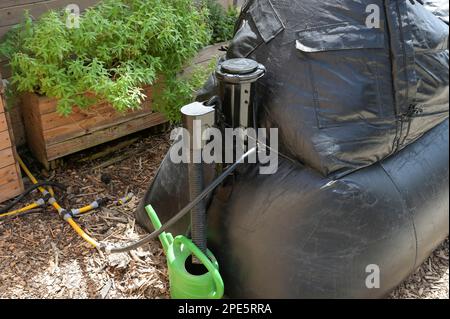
(184, 285)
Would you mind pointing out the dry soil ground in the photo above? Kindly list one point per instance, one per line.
(41, 257)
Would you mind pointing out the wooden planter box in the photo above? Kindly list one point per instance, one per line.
(10, 178)
(51, 136)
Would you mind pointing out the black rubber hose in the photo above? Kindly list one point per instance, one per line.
(28, 191)
(185, 210)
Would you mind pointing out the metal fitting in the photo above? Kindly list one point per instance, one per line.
(94, 205)
(125, 199)
(237, 79)
(197, 118)
(40, 202)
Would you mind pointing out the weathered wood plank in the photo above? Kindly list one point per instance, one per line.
(54, 120)
(80, 119)
(57, 128)
(10, 178)
(4, 30)
(47, 105)
(13, 15)
(3, 123)
(10, 16)
(2, 107)
(88, 125)
(210, 52)
(12, 3)
(8, 174)
(204, 57)
(5, 140)
(108, 134)
(10, 190)
(16, 125)
(6, 157)
(31, 116)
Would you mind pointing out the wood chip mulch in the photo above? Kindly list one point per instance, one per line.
(42, 257)
(430, 281)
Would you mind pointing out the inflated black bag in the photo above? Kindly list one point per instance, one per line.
(343, 92)
(363, 113)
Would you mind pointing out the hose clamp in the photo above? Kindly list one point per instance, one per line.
(125, 199)
(102, 201)
(40, 202)
(94, 205)
(65, 214)
(47, 197)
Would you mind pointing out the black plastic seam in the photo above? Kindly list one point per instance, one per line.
(408, 130)
(389, 25)
(400, 135)
(315, 94)
(406, 209)
(277, 15)
(255, 48)
(389, 32)
(405, 62)
(377, 81)
(399, 124)
(403, 44)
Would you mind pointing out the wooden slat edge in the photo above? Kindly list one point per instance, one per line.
(102, 136)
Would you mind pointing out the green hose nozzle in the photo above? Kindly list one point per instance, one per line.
(184, 285)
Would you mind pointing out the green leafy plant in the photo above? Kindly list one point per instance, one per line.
(221, 21)
(183, 90)
(120, 46)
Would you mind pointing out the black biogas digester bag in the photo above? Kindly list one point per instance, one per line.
(348, 83)
(359, 93)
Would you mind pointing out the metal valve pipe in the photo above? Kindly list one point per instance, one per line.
(196, 119)
(237, 78)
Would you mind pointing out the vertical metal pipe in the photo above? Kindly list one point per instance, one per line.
(197, 118)
(198, 213)
(237, 79)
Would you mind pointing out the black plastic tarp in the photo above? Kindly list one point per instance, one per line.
(438, 7)
(348, 82)
(363, 113)
(297, 234)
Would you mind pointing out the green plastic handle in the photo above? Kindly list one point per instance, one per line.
(212, 269)
(165, 238)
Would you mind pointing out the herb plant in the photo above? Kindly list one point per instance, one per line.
(182, 91)
(221, 21)
(120, 46)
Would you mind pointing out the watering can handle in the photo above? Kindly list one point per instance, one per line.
(165, 238)
(213, 270)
